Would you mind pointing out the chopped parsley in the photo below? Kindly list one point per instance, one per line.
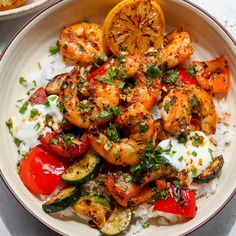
(47, 103)
(153, 72)
(108, 145)
(17, 142)
(34, 113)
(22, 80)
(194, 154)
(24, 107)
(194, 102)
(37, 126)
(143, 128)
(54, 49)
(54, 141)
(9, 125)
(121, 85)
(167, 106)
(194, 171)
(192, 71)
(197, 140)
(180, 159)
(106, 80)
(161, 195)
(172, 77)
(85, 108)
(183, 137)
(112, 132)
(211, 153)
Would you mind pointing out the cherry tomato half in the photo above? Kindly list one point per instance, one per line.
(63, 145)
(40, 171)
(39, 96)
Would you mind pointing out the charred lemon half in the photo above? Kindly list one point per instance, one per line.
(134, 24)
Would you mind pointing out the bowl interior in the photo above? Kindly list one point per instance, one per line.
(33, 42)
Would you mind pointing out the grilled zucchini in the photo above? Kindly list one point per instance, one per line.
(62, 200)
(211, 172)
(95, 208)
(118, 222)
(82, 170)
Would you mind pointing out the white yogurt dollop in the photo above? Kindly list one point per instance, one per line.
(31, 122)
(194, 156)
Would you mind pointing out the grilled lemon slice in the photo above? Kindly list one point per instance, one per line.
(135, 24)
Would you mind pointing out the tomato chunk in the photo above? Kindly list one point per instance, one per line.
(185, 77)
(39, 96)
(179, 201)
(65, 146)
(121, 189)
(40, 171)
(100, 71)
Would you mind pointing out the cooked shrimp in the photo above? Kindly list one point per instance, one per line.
(127, 151)
(177, 48)
(82, 42)
(180, 103)
(214, 75)
(81, 113)
(146, 90)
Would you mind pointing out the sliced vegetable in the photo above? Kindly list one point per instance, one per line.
(121, 188)
(39, 96)
(62, 200)
(178, 201)
(67, 146)
(100, 71)
(41, 171)
(184, 77)
(83, 169)
(54, 86)
(94, 207)
(163, 171)
(211, 172)
(118, 222)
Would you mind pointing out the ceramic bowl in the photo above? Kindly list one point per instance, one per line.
(28, 7)
(22, 54)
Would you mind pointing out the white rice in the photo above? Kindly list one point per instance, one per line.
(54, 65)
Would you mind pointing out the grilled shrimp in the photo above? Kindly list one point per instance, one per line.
(177, 48)
(143, 130)
(146, 90)
(82, 42)
(214, 75)
(81, 113)
(180, 103)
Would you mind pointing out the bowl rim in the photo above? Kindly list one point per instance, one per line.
(43, 222)
(22, 10)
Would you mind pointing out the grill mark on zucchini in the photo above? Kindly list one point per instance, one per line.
(82, 170)
(62, 200)
(96, 210)
(211, 172)
(118, 222)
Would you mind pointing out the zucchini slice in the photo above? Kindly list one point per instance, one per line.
(62, 200)
(82, 170)
(54, 86)
(164, 171)
(95, 208)
(211, 172)
(118, 222)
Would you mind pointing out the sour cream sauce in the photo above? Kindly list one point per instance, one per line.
(30, 125)
(194, 156)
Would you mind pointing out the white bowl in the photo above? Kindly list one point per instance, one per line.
(29, 7)
(32, 42)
